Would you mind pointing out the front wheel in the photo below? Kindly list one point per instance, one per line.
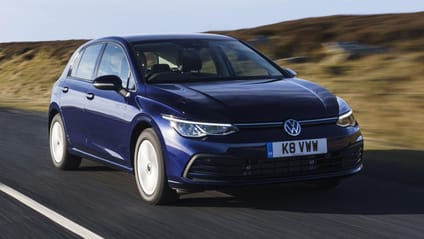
(58, 146)
(149, 170)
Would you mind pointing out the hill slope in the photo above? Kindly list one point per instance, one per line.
(386, 90)
(299, 37)
(28, 70)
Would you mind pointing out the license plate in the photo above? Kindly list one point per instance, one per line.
(296, 148)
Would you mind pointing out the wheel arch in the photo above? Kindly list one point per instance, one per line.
(140, 124)
(53, 110)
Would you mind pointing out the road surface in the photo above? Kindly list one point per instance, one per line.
(386, 200)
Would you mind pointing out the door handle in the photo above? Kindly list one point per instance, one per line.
(65, 89)
(90, 96)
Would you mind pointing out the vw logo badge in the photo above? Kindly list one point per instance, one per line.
(292, 127)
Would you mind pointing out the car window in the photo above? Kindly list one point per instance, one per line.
(159, 54)
(87, 63)
(158, 57)
(75, 63)
(208, 65)
(242, 62)
(196, 60)
(115, 62)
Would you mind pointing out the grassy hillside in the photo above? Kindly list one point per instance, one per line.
(28, 70)
(403, 32)
(386, 90)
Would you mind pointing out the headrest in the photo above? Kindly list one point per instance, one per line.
(141, 58)
(191, 61)
(157, 68)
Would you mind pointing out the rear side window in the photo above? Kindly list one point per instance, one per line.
(87, 63)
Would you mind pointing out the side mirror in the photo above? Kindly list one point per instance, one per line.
(108, 82)
(291, 72)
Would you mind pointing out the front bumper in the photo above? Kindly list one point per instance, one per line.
(241, 158)
(223, 168)
(208, 171)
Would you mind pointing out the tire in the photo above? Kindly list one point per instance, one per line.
(326, 184)
(59, 147)
(149, 170)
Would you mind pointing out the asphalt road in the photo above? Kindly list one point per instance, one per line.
(386, 200)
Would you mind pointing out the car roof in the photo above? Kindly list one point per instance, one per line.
(155, 37)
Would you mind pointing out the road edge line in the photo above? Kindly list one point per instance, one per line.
(50, 214)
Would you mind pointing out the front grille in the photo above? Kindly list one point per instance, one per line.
(216, 168)
(310, 122)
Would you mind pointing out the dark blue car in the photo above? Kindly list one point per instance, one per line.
(197, 112)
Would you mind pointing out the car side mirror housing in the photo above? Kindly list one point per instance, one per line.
(108, 82)
(291, 72)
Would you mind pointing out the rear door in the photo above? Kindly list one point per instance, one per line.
(74, 95)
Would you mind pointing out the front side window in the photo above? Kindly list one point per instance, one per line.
(87, 63)
(115, 62)
(197, 60)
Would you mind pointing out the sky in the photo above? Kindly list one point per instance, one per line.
(40, 20)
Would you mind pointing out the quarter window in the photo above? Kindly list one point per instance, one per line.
(87, 63)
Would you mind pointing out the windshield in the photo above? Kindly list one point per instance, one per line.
(197, 60)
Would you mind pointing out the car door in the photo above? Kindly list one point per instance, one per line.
(74, 95)
(109, 113)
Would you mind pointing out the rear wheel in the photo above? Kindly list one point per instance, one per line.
(149, 170)
(59, 147)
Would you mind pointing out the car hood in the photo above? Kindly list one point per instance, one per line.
(247, 101)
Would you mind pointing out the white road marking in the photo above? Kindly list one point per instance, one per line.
(50, 214)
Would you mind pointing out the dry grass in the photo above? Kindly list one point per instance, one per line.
(28, 70)
(386, 90)
(304, 37)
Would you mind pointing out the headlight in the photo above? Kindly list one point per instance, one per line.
(199, 129)
(346, 120)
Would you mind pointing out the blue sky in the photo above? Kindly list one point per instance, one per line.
(34, 20)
